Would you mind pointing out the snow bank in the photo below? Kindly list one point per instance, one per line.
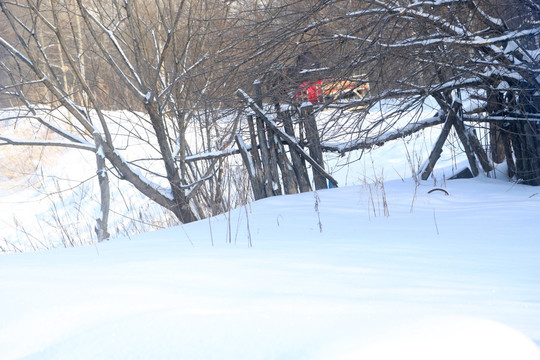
(449, 338)
(443, 276)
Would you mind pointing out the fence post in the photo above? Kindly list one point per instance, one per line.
(259, 174)
(271, 179)
(258, 189)
(298, 164)
(293, 143)
(314, 143)
(290, 183)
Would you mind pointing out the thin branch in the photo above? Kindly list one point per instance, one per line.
(10, 141)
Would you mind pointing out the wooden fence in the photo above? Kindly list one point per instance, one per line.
(275, 159)
(281, 146)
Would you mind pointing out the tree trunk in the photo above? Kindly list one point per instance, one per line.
(105, 196)
(494, 106)
(180, 204)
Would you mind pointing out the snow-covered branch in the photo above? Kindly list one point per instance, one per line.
(354, 14)
(18, 85)
(380, 139)
(472, 41)
(15, 52)
(44, 143)
(212, 155)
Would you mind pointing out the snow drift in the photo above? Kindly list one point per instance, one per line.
(442, 276)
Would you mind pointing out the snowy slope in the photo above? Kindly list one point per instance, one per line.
(328, 276)
(56, 204)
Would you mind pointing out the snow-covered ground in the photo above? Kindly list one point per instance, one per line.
(380, 268)
(328, 276)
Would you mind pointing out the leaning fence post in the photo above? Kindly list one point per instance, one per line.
(314, 143)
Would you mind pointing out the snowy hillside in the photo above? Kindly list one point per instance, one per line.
(53, 199)
(380, 268)
(328, 276)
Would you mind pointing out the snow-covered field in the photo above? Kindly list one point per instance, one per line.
(456, 277)
(380, 268)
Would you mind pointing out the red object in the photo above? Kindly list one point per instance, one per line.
(318, 91)
(310, 91)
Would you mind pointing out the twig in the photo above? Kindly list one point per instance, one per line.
(438, 189)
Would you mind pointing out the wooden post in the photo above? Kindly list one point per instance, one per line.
(274, 163)
(298, 165)
(314, 143)
(293, 143)
(258, 188)
(268, 157)
(267, 175)
(259, 174)
(457, 114)
(454, 117)
(290, 184)
(437, 149)
(478, 149)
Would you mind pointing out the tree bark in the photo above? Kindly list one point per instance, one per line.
(105, 197)
(179, 204)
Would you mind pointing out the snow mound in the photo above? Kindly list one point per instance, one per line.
(158, 335)
(442, 338)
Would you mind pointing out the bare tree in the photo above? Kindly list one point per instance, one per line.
(449, 51)
(176, 65)
(157, 58)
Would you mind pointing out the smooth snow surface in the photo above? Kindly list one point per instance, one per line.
(329, 276)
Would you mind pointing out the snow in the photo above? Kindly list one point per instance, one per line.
(380, 268)
(307, 71)
(148, 96)
(511, 47)
(442, 276)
